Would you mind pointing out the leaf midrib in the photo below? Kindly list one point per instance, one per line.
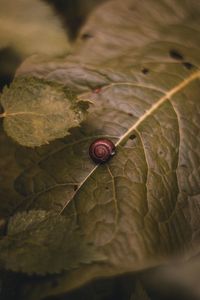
(149, 112)
(11, 114)
(156, 105)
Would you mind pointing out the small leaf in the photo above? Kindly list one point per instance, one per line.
(37, 111)
(41, 242)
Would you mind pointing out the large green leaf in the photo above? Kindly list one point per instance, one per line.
(141, 70)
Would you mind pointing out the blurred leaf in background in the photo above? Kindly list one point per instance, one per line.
(31, 27)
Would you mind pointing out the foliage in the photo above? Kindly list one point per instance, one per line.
(36, 111)
(139, 66)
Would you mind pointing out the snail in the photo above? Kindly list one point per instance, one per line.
(101, 150)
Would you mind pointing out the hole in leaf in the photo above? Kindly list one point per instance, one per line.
(145, 71)
(188, 65)
(132, 136)
(83, 105)
(75, 187)
(86, 36)
(175, 54)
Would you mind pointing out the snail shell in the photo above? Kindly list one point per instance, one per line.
(101, 150)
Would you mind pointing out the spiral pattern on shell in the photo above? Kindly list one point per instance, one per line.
(101, 150)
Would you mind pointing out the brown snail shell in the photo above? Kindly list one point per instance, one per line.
(101, 150)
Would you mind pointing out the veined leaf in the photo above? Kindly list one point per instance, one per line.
(43, 242)
(141, 70)
(36, 111)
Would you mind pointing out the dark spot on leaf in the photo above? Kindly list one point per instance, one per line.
(183, 166)
(175, 54)
(188, 65)
(132, 136)
(145, 71)
(86, 36)
(83, 105)
(75, 187)
(130, 114)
